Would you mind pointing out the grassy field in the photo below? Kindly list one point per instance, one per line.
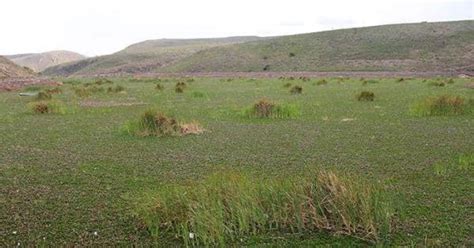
(77, 178)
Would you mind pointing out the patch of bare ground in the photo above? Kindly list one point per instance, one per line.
(96, 104)
(12, 84)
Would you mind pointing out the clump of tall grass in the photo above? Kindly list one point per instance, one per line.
(229, 207)
(101, 81)
(43, 96)
(366, 96)
(296, 89)
(322, 82)
(159, 87)
(155, 123)
(116, 89)
(47, 107)
(267, 109)
(441, 105)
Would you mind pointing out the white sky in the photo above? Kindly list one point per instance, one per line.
(95, 27)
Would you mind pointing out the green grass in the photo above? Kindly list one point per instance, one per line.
(230, 207)
(65, 177)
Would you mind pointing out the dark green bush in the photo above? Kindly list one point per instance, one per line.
(366, 96)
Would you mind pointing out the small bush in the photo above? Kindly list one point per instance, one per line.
(437, 84)
(181, 84)
(102, 81)
(441, 105)
(178, 89)
(400, 80)
(322, 82)
(43, 95)
(116, 89)
(159, 87)
(230, 206)
(287, 85)
(267, 109)
(366, 96)
(292, 54)
(296, 89)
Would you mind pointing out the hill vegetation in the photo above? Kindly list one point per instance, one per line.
(142, 57)
(443, 46)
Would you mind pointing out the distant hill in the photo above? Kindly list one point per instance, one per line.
(8, 69)
(402, 47)
(142, 57)
(442, 46)
(40, 61)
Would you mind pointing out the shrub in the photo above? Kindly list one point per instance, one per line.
(292, 54)
(400, 80)
(159, 87)
(366, 96)
(438, 84)
(296, 90)
(322, 82)
(230, 206)
(116, 89)
(102, 81)
(43, 95)
(181, 84)
(441, 105)
(287, 85)
(267, 109)
(45, 107)
(178, 89)
(154, 123)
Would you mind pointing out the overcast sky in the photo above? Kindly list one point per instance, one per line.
(96, 27)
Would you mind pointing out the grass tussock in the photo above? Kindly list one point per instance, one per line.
(47, 107)
(155, 123)
(268, 109)
(296, 89)
(442, 105)
(43, 96)
(229, 207)
(366, 96)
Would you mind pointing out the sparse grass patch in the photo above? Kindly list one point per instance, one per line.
(366, 96)
(441, 105)
(466, 161)
(267, 109)
(296, 89)
(230, 207)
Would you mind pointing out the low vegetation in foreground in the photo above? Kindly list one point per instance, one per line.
(230, 207)
(303, 170)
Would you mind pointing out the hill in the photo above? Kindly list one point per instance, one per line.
(40, 61)
(417, 47)
(143, 57)
(8, 69)
(403, 47)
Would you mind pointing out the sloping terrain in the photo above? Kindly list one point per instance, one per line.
(418, 47)
(143, 57)
(9, 69)
(40, 61)
(402, 47)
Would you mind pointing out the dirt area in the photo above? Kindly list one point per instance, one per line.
(13, 84)
(93, 103)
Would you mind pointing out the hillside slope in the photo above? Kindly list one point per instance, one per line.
(143, 57)
(403, 47)
(40, 61)
(8, 69)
